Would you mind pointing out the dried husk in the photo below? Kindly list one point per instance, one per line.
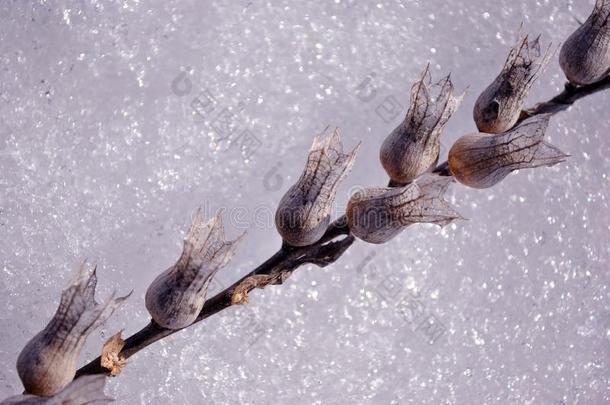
(498, 107)
(376, 215)
(481, 160)
(413, 147)
(48, 361)
(585, 55)
(176, 296)
(303, 213)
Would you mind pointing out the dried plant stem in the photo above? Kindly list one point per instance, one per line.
(560, 102)
(324, 252)
(276, 269)
(566, 98)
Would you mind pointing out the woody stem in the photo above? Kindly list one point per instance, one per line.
(327, 250)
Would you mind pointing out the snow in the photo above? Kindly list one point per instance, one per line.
(102, 157)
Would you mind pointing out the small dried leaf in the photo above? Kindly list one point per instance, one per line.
(498, 107)
(481, 161)
(240, 293)
(303, 214)
(413, 147)
(111, 358)
(585, 55)
(176, 296)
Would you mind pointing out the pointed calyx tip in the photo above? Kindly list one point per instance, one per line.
(303, 213)
(176, 296)
(499, 106)
(413, 147)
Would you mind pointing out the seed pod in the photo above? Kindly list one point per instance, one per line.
(498, 108)
(413, 147)
(304, 211)
(377, 215)
(88, 389)
(481, 160)
(48, 361)
(585, 56)
(176, 296)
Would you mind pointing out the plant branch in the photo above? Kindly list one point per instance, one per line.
(560, 102)
(324, 252)
(274, 270)
(565, 99)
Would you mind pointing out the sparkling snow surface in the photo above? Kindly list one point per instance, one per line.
(102, 157)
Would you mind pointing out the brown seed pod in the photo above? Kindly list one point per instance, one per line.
(47, 363)
(498, 107)
(413, 147)
(175, 298)
(377, 215)
(88, 389)
(481, 160)
(303, 213)
(585, 56)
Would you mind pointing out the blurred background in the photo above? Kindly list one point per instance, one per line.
(118, 119)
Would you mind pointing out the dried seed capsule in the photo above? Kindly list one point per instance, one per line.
(585, 56)
(304, 211)
(498, 108)
(48, 361)
(176, 296)
(413, 147)
(481, 160)
(376, 215)
(88, 389)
